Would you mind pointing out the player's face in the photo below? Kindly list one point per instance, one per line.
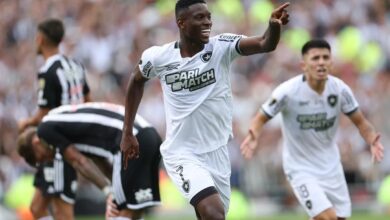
(195, 23)
(317, 63)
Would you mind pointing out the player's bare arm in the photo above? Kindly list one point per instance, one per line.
(251, 141)
(86, 167)
(135, 89)
(33, 120)
(270, 39)
(367, 131)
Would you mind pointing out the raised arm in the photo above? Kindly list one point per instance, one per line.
(367, 131)
(270, 39)
(251, 141)
(135, 89)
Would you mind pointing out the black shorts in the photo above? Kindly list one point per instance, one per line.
(57, 178)
(137, 187)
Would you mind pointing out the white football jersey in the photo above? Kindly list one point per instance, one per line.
(197, 93)
(310, 122)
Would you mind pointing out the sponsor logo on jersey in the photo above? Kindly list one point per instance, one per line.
(332, 100)
(172, 66)
(191, 79)
(143, 195)
(302, 103)
(228, 38)
(146, 70)
(318, 122)
(206, 56)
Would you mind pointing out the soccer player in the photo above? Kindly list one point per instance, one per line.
(78, 132)
(311, 105)
(61, 81)
(194, 74)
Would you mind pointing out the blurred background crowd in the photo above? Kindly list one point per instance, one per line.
(108, 37)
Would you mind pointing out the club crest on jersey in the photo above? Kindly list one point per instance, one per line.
(332, 100)
(206, 56)
(190, 79)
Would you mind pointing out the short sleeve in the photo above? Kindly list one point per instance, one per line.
(49, 132)
(348, 101)
(230, 43)
(276, 102)
(146, 64)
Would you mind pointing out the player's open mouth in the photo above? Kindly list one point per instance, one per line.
(205, 33)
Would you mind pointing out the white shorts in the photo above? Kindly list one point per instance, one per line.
(318, 194)
(192, 173)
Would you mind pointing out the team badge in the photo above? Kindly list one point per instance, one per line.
(332, 100)
(186, 186)
(206, 56)
(309, 205)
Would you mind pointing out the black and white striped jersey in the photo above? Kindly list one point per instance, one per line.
(94, 128)
(61, 81)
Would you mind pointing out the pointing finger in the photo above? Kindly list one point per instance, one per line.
(282, 7)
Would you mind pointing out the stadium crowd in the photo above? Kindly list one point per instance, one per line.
(108, 37)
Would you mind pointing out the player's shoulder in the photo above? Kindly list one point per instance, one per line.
(294, 82)
(51, 64)
(336, 82)
(159, 50)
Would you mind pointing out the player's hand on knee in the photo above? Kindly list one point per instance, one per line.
(111, 208)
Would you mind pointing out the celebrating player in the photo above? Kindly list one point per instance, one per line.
(311, 105)
(194, 74)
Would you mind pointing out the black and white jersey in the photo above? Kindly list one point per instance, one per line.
(93, 128)
(61, 81)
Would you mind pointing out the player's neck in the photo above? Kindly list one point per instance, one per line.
(317, 85)
(189, 49)
(48, 52)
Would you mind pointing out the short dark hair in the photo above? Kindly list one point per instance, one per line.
(53, 29)
(184, 4)
(25, 147)
(315, 43)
